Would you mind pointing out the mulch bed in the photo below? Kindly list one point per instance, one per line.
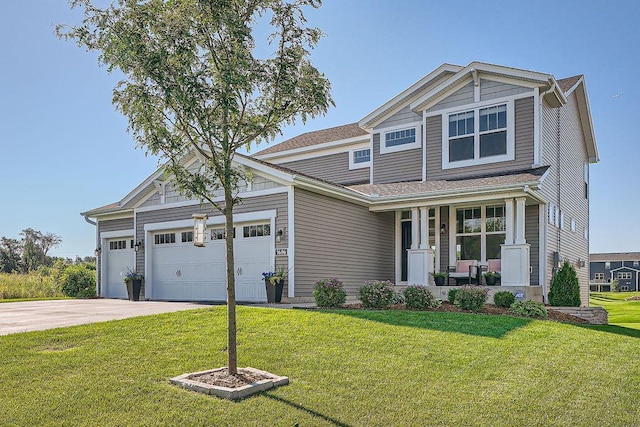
(488, 309)
(221, 378)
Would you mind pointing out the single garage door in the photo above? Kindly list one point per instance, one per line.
(184, 272)
(120, 258)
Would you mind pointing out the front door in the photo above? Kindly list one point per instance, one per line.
(405, 232)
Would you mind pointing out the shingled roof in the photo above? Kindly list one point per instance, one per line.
(615, 256)
(425, 187)
(308, 139)
(567, 83)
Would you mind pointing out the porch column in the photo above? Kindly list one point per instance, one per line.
(519, 226)
(424, 229)
(415, 229)
(508, 213)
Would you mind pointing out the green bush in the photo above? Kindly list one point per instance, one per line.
(329, 293)
(78, 281)
(471, 297)
(376, 294)
(528, 309)
(451, 296)
(504, 299)
(398, 298)
(565, 289)
(419, 298)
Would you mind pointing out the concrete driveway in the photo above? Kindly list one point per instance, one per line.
(18, 317)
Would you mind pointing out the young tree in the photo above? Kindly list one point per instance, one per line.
(565, 288)
(195, 83)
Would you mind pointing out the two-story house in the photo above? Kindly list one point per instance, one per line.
(480, 163)
(606, 267)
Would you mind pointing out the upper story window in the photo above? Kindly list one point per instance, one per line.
(400, 138)
(598, 276)
(636, 263)
(478, 136)
(360, 158)
(607, 265)
(624, 275)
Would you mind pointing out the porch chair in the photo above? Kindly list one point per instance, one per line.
(465, 271)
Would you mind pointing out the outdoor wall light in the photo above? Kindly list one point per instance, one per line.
(443, 229)
(138, 245)
(199, 229)
(97, 251)
(279, 235)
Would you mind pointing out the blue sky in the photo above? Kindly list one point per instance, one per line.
(64, 149)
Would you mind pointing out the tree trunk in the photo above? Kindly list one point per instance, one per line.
(231, 284)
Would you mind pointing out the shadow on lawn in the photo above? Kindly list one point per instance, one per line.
(463, 323)
(613, 329)
(307, 410)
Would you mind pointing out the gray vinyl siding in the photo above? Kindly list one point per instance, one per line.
(462, 96)
(524, 135)
(564, 150)
(279, 202)
(334, 238)
(444, 239)
(493, 90)
(532, 236)
(400, 166)
(173, 195)
(106, 226)
(333, 168)
(405, 116)
(115, 225)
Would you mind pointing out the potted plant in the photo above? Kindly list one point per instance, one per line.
(440, 278)
(490, 277)
(133, 280)
(274, 282)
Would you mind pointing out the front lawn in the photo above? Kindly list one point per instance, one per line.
(355, 368)
(621, 312)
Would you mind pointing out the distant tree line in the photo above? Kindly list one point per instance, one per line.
(31, 252)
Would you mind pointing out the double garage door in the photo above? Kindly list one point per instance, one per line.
(181, 271)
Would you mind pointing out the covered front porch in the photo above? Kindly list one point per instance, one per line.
(466, 240)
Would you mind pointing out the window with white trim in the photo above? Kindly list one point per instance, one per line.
(624, 275)
(360, 158)
(400, 138)
(164, 238)
(607, 265)
(636, 263)
(479, 232)
(598, 276)
(478, 136)
(573, 225)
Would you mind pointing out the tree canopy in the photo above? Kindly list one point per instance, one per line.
(197, 82)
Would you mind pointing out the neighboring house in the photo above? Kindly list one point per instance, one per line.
(604, 268)
(480, 162)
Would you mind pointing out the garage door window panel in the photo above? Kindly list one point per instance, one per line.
(258, 230)
(165, 238)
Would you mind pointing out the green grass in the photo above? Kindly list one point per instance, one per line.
(621, 312)
(347, 368)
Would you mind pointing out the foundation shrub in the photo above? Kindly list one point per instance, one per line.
(471, 297)
(419, 298)
(503, 299)
(529, 309)
(329, 293)
(376, 294)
